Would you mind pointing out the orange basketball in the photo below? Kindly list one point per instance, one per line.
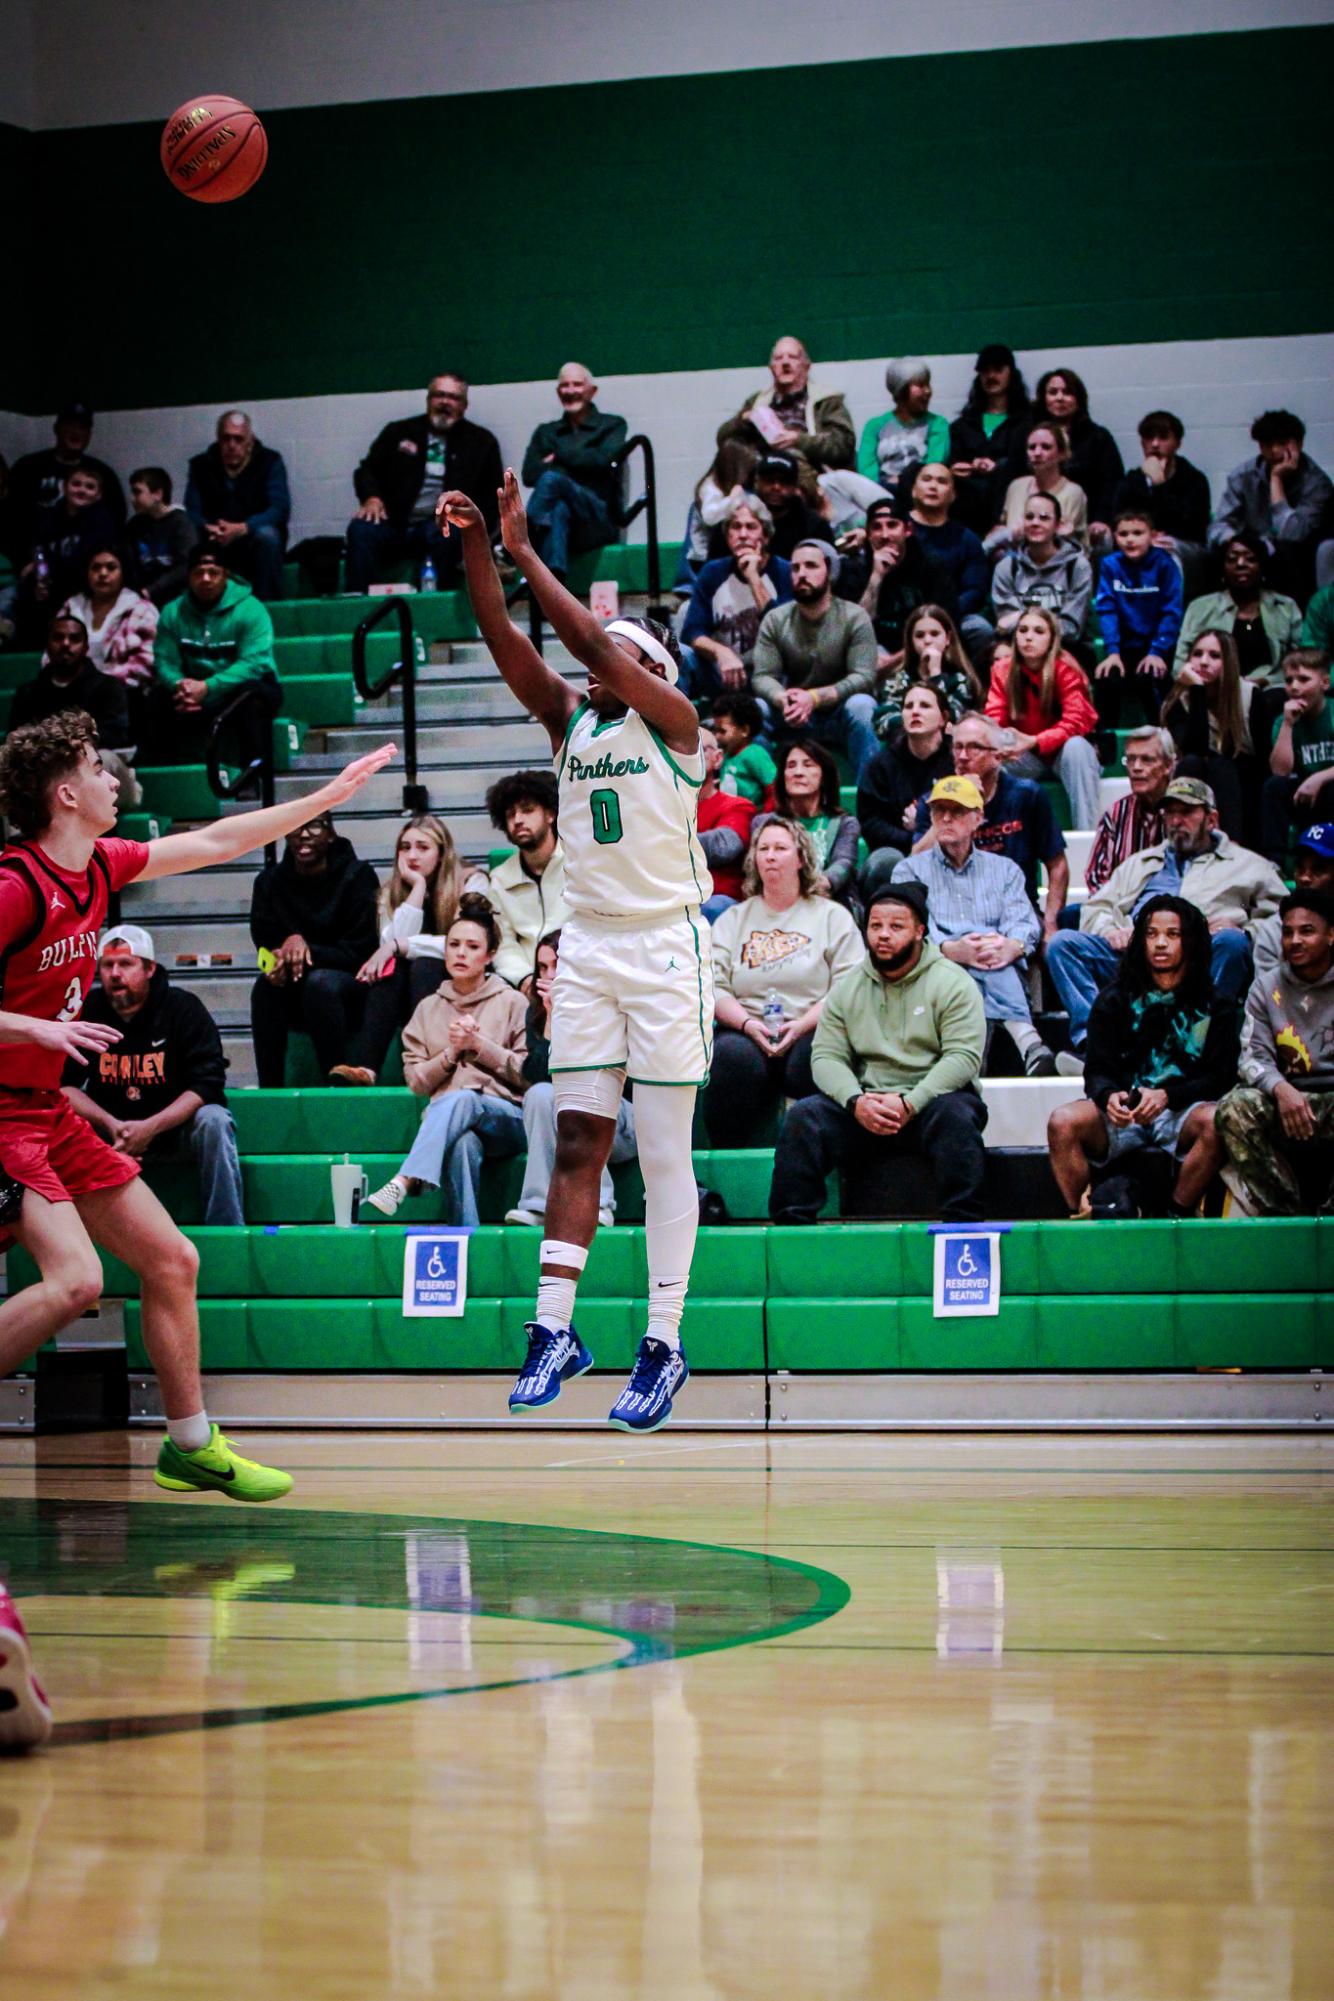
(213, 149)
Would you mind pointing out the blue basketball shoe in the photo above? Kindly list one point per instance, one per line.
(646, 1401)
(552, 1359)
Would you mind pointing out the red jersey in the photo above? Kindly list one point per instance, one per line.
(730, 810)
(50, 922)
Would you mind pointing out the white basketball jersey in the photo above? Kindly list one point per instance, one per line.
(628, 807)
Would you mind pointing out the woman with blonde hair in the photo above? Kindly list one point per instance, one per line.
(775, 957)
(1040, 697)
(1047, 453)
(1208, 711)
(417, 906)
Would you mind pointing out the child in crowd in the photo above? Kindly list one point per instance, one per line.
(1301, 787)
(1138, 606)
(748, 768)
(932, 652)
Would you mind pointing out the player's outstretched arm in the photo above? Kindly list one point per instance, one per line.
(227, 840)
(548, 698)
(78, 1039)
(575, 626)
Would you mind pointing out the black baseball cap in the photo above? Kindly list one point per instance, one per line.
(777, 465)
(75, 413)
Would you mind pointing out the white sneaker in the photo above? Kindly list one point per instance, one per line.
(389, 1199)
(525, 1216)
(606, 1219)
(1069, 1064)
(1243, 1202)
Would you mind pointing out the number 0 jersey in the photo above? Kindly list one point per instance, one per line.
(627, 821)
(50, 922)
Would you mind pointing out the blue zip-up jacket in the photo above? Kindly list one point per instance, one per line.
(1139, 604)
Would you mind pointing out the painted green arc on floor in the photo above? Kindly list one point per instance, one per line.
(666, 1599)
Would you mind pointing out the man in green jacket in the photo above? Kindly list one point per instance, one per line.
(570, 465)
(899, 1043)
(213, 641)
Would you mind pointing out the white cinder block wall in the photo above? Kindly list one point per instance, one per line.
(1215, 387)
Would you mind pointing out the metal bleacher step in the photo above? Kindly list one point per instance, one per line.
(506, 745)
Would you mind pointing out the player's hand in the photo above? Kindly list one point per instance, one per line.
(1113, 664)
(373, 509)
(513, 517)
(351, 779)
(455, 510)
(72, 1038)
(1294, 1109)
(1152, 1104)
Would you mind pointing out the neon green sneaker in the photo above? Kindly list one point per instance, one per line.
(218, 1469)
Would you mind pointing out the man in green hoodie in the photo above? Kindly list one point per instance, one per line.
(213, 641)
(899, 1043)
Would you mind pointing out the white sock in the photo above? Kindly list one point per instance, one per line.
(555, 1296)
(664, 1115)
(1023, 1035)
(190, 1434)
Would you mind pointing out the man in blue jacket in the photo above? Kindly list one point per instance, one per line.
(1138, 608)
(237, 496)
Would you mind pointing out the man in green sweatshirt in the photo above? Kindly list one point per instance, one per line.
(899, 1043)
(213, 641)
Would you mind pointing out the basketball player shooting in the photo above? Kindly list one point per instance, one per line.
(634, 989)
(68, 1188)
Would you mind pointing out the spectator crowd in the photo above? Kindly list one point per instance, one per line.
(916, 648)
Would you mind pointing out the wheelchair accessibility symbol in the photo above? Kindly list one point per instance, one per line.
(435, 1273)
(967, 1270)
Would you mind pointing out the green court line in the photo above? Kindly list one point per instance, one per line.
(663, 1598)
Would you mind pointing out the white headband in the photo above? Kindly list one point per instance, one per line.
(646, 643)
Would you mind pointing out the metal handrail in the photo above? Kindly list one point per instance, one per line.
(395, 605)
(260, 768)
(623, 513)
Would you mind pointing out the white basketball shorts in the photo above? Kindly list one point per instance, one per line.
(638, 1001)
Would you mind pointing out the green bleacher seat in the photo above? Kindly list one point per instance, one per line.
(436, 615)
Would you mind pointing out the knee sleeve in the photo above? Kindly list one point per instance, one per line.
(664, 1117)
(597, 1092)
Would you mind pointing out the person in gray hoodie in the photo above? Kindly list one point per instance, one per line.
(1046, 569)
(1277, 1126)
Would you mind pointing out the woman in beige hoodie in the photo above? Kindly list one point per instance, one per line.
(463, 1049)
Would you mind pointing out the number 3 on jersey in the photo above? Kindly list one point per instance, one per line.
(73, 1001)
(605, 807)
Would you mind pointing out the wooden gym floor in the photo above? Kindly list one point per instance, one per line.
(681, 1718)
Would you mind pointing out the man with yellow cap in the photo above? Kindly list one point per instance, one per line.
(981, 917)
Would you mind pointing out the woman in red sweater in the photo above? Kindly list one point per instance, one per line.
(1040, 697)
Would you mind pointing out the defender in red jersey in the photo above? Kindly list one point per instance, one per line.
(69, 1189)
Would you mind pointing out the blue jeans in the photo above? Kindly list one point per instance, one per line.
(565, 519)
(1081, 964)
(208, 1139)
(539, 1125)
(458, 1131)
(372, 546)
(847, 728)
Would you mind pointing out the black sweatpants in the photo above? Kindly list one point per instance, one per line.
(819, 1135)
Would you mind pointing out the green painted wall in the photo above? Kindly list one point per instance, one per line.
(1128, 192)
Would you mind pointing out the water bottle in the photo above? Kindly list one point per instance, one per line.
(772, 1014)
(428, 578)
(41, 568)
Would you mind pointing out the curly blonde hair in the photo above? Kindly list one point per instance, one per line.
(810, 877)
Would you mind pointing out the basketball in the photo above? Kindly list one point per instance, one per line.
(213, 149)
